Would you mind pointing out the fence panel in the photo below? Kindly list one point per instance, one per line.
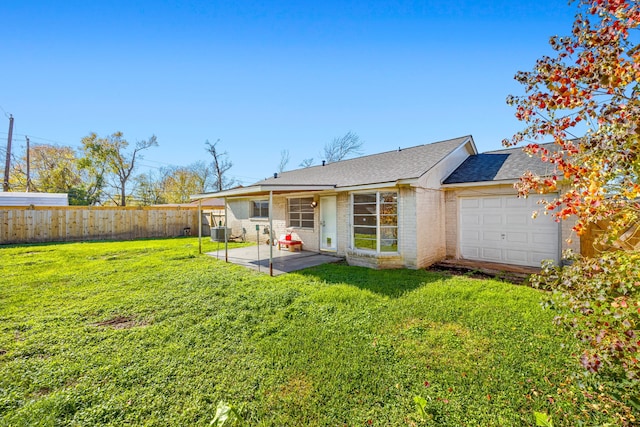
(76, 223)
(628, 240)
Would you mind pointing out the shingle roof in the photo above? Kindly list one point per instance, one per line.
(499, 165)
(407, 163)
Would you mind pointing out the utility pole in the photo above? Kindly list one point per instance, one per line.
(28, 166)
(5, 184)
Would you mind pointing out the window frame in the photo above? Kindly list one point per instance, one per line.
(304, 205)
(379, 226)
(262, 203)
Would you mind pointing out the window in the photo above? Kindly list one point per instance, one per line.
(375, 221)
(301, 212)
(260, 209)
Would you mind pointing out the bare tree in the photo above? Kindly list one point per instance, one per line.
(341, 147)
(221, 165)
(306, 162)
(284, 160)
(203, 174)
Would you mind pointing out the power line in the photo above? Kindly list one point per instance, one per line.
(157, 161)
(5, 113)
(149, 166)
(38, 137)
(243, 179)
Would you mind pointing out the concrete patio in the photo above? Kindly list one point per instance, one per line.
(283, 260)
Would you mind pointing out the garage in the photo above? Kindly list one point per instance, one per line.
(501, 229)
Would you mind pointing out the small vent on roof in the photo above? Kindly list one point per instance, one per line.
(399, 149)
(323, 162)
(275, 175)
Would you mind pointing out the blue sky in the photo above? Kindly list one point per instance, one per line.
(265, 76)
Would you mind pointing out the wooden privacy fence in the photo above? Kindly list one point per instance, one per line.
(76, 223)
(629, 240)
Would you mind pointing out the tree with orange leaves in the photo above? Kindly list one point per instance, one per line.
(586, 98)
(589, 89)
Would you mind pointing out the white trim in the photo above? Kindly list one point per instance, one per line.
(413, 182)
(299, 196)
(288, 212)
(32, 194)
(479, 183)
(17, 198)
(252, 206)
(259, 189)
(459, 147)
(378, 227)
(320, 235)
(463, 144)
(385, 186)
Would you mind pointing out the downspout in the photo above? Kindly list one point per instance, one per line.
(226, 241)
(271, 233)
(200, 226)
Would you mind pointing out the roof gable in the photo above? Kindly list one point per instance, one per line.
(500, 165)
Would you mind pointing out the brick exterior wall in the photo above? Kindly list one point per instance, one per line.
(421, 225)
(239, 216)
(407, 228)
(451, 224)
(430, 223)
(344, 221)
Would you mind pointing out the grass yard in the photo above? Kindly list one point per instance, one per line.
(150, 333)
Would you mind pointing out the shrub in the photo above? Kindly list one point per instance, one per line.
(599, 299)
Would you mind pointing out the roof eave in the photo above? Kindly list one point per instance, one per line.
(261, 189)
(479, 183)
(409, 181)
(372, 186)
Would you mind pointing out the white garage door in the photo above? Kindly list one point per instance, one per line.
(501, 229)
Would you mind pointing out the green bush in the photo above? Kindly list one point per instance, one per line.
(600, 304)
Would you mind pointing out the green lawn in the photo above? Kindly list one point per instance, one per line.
(150, 333)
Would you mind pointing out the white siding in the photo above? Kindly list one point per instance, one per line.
(35, 199)
(434, 177)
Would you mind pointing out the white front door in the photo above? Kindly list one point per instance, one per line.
(328, 224)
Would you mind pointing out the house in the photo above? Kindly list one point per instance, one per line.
(406, 208)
